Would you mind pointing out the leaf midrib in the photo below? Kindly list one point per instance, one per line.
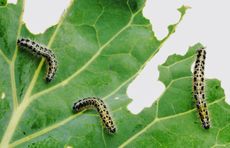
(6, 137)
(12, 68)
(19, 111)
(26, 100)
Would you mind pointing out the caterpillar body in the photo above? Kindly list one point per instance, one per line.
(99, 105)
(199, 88)
(41, 51)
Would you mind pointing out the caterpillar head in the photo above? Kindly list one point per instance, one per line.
(77, 107)
(206, 125)
(112, 130)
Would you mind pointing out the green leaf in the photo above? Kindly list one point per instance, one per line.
(101, 46)
(3, 2)
(176, 122)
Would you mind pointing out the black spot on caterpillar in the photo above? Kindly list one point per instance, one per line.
(199, 88)
(99, 105)
(41, 51)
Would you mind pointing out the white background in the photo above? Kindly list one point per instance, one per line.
(207, 22)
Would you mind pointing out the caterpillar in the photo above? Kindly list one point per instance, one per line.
(99, 105)
(199, 88)
(41, 51)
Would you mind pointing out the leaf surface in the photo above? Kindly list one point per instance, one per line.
(101, 46)
(3, 2)
(172, 121)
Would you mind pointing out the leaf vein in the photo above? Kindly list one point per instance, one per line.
(20, 110)
(67, 80)
(60, 123)
(5, 57)
(178, 62)
(161, 119)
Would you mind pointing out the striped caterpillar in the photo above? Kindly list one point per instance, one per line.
(41, 51)
(199, 88)
(99, 105)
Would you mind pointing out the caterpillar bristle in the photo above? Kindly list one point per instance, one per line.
(41, 51)
(99, 105)
(199, 88)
